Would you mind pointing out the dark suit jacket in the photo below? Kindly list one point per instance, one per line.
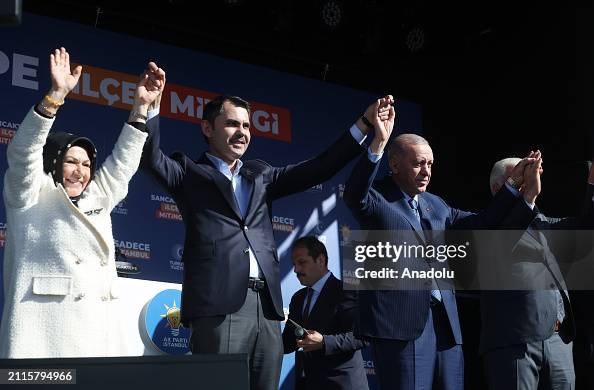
(521, 316)
(216, 258)
(339, 364)
(402, 314)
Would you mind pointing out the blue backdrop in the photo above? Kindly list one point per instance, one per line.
(299, 117)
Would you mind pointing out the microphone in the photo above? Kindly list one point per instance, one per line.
(300, 333)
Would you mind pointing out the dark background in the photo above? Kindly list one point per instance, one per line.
(495, 79)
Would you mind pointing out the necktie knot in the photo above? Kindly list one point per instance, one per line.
(307, 309)
(414, 205)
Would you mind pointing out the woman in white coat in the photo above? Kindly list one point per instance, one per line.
(59, 267)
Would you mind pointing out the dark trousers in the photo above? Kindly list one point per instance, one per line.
(542, 365)
(432, 361)
(247, 331)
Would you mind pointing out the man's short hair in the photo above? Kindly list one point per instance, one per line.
(400, 143)
(313, 245)
(215, 108)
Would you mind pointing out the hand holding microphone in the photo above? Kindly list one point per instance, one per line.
(307, 340)
(300, 333)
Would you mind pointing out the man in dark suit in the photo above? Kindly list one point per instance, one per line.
(328, 356)
(231, 297)
(528, 323)
(415, 331)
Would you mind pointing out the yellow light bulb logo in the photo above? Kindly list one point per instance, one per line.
(173, 316)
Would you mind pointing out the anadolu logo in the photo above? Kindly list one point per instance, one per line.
(161, 327)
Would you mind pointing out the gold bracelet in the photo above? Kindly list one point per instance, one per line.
(53, 102)
(45, 110)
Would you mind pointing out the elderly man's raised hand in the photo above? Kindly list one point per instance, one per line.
(517, 174)
(532, 186)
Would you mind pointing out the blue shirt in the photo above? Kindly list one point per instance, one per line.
(317, 289)
(243, 190)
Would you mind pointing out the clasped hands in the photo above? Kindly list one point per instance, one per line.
(526, 176)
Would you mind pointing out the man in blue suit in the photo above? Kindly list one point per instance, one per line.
(415, 332)
(330, 356)
(231, 297)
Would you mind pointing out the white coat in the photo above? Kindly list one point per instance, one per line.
(59, 267)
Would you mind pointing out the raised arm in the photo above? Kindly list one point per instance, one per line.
(167, 171)
(508, 209)
(358, 194)
(525, 178)
(24, 176)
(299, 177)
(112, 178)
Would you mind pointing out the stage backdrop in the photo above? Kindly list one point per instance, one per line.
(293, 119)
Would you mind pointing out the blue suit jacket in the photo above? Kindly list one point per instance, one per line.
(402, 314)
(217, 237)
(339, 365)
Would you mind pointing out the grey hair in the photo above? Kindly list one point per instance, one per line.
(399, 144)
(499, 170)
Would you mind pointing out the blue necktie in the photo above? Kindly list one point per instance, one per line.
(307, 309)
(435, 293)
(414, 205)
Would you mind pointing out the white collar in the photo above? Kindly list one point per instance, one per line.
(319, 285)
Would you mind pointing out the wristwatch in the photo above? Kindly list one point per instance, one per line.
(515, 182)
(137, 115)
(367, 122)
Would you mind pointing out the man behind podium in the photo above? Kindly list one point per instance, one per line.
(329, 356)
